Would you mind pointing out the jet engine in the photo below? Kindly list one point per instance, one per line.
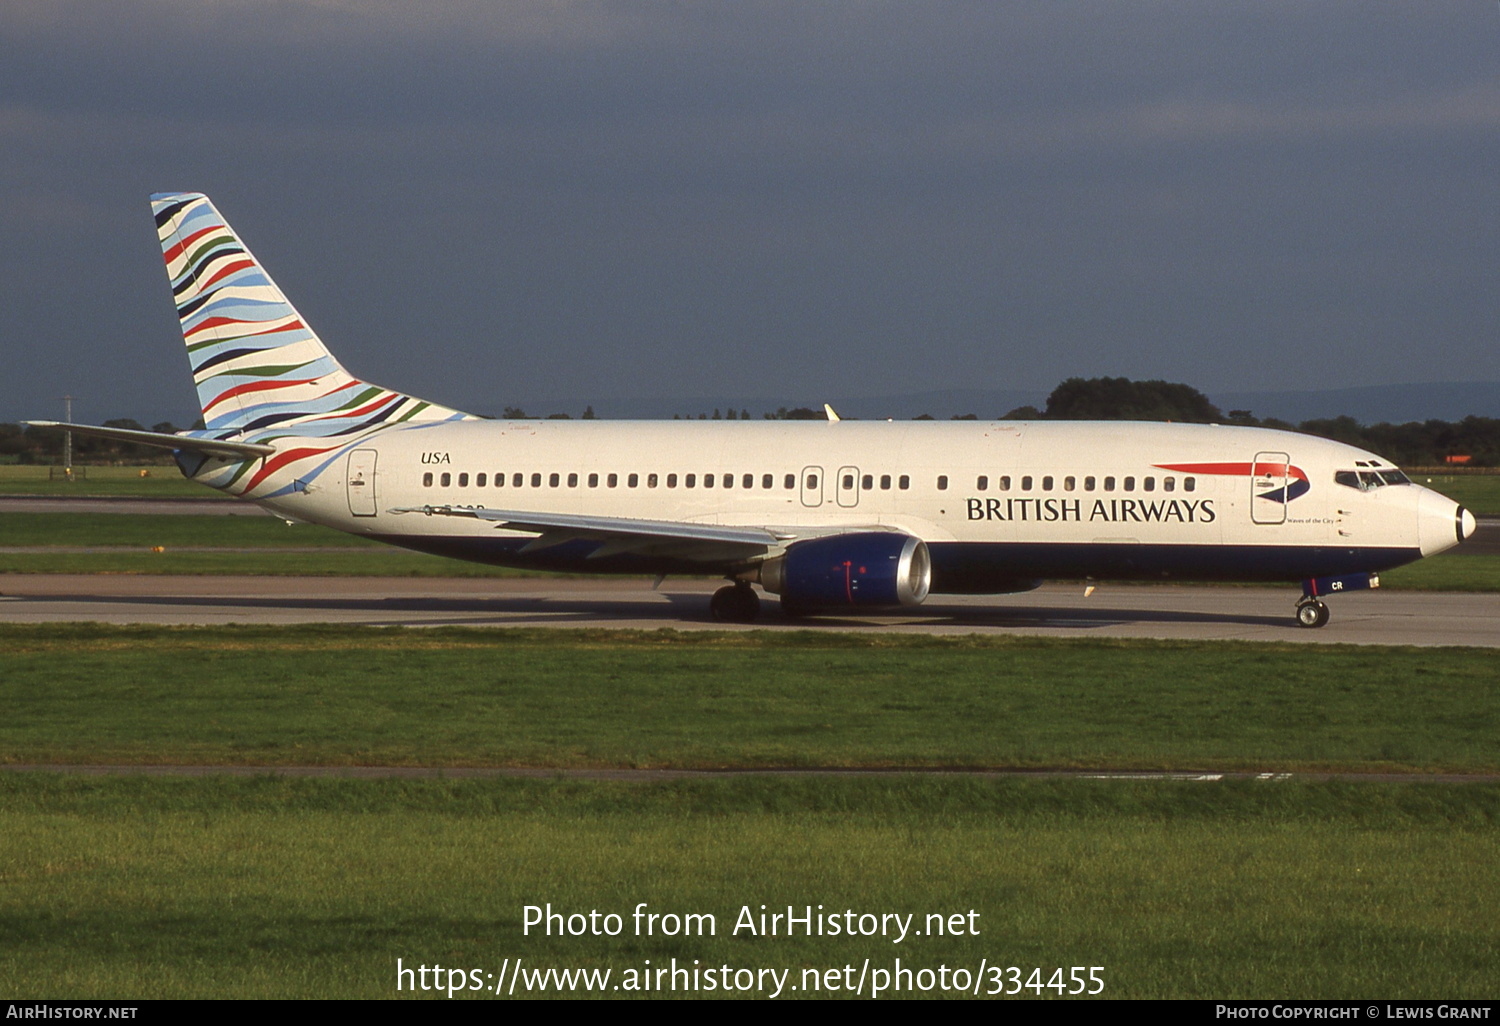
(876, 568)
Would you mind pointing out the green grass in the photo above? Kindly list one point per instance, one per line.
(313, 550)
(147, 888)
(252, 530)
(1452, 571)
(1479, 493)
(463, 697)
(163, 482)
(152, 887)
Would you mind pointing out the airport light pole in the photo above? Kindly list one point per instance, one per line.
(67, 437)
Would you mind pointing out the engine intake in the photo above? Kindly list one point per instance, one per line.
(876, 568)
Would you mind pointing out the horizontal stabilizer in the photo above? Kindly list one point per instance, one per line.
(180, 443)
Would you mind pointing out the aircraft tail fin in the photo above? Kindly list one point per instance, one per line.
(259, 368)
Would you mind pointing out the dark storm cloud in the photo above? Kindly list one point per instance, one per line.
(490, 202)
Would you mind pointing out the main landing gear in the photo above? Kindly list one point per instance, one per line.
(1311, 613)
(736, 603)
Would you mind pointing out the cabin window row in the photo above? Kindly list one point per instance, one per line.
(556, 480)
(1071, 483)
(868, 482)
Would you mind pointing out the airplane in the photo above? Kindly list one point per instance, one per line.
(835, 515)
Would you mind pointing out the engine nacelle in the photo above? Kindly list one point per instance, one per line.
(876, 568)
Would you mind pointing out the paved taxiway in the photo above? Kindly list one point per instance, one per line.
(1113, 611)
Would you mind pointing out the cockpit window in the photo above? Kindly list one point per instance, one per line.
(1365, 480)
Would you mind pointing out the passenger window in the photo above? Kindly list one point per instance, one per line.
(1069, 483)
(536, 480)
(903, 482)
(748, 481)
(671, 480)
(1130, 484)
(515, 480)
(1089, 483)
(446, 480)
(499, 480)
(593, 480)
(480, 479)
(791, 482)
(612, 480)
(1109, 484)
(848, 482)
(767, 481)
(553, 480)
(812, 482)
(1189, 483)
(982, 482)
(650, 480)
(867, 482)
(1026, 483)
(572, 480)
(1168, 484)
(427, 480)
(728, 480)
(1149, 484)
(690, 481)
(632, 480)
(1047, 483)
(463, 480)
(885, 482)
(942, 482)
(1005, 482)
(708, 480)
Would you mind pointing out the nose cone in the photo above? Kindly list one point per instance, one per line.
(1442, 523)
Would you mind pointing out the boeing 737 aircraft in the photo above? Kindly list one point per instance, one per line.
(827, 515)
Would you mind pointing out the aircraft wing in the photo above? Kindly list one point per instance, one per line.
(680, 539)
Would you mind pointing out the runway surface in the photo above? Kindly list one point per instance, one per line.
(1113, 611)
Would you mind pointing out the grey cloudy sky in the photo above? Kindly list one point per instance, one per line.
(495, 203)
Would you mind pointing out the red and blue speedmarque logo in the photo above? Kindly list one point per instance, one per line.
(1295, 487)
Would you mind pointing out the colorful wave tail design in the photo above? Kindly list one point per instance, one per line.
(259, 368)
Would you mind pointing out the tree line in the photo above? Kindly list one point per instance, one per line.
(1414, 444)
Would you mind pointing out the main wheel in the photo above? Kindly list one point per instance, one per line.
(1312, 614)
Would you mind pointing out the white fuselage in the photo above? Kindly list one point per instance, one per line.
(998, 502)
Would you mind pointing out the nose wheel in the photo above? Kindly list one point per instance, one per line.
(1311, 613)
(736, 603)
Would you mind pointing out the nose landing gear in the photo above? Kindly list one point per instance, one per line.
(736, 603)
(1311, 613)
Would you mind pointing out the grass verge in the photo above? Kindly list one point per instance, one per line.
(147, 888)
(161, 481)
(457, 697)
